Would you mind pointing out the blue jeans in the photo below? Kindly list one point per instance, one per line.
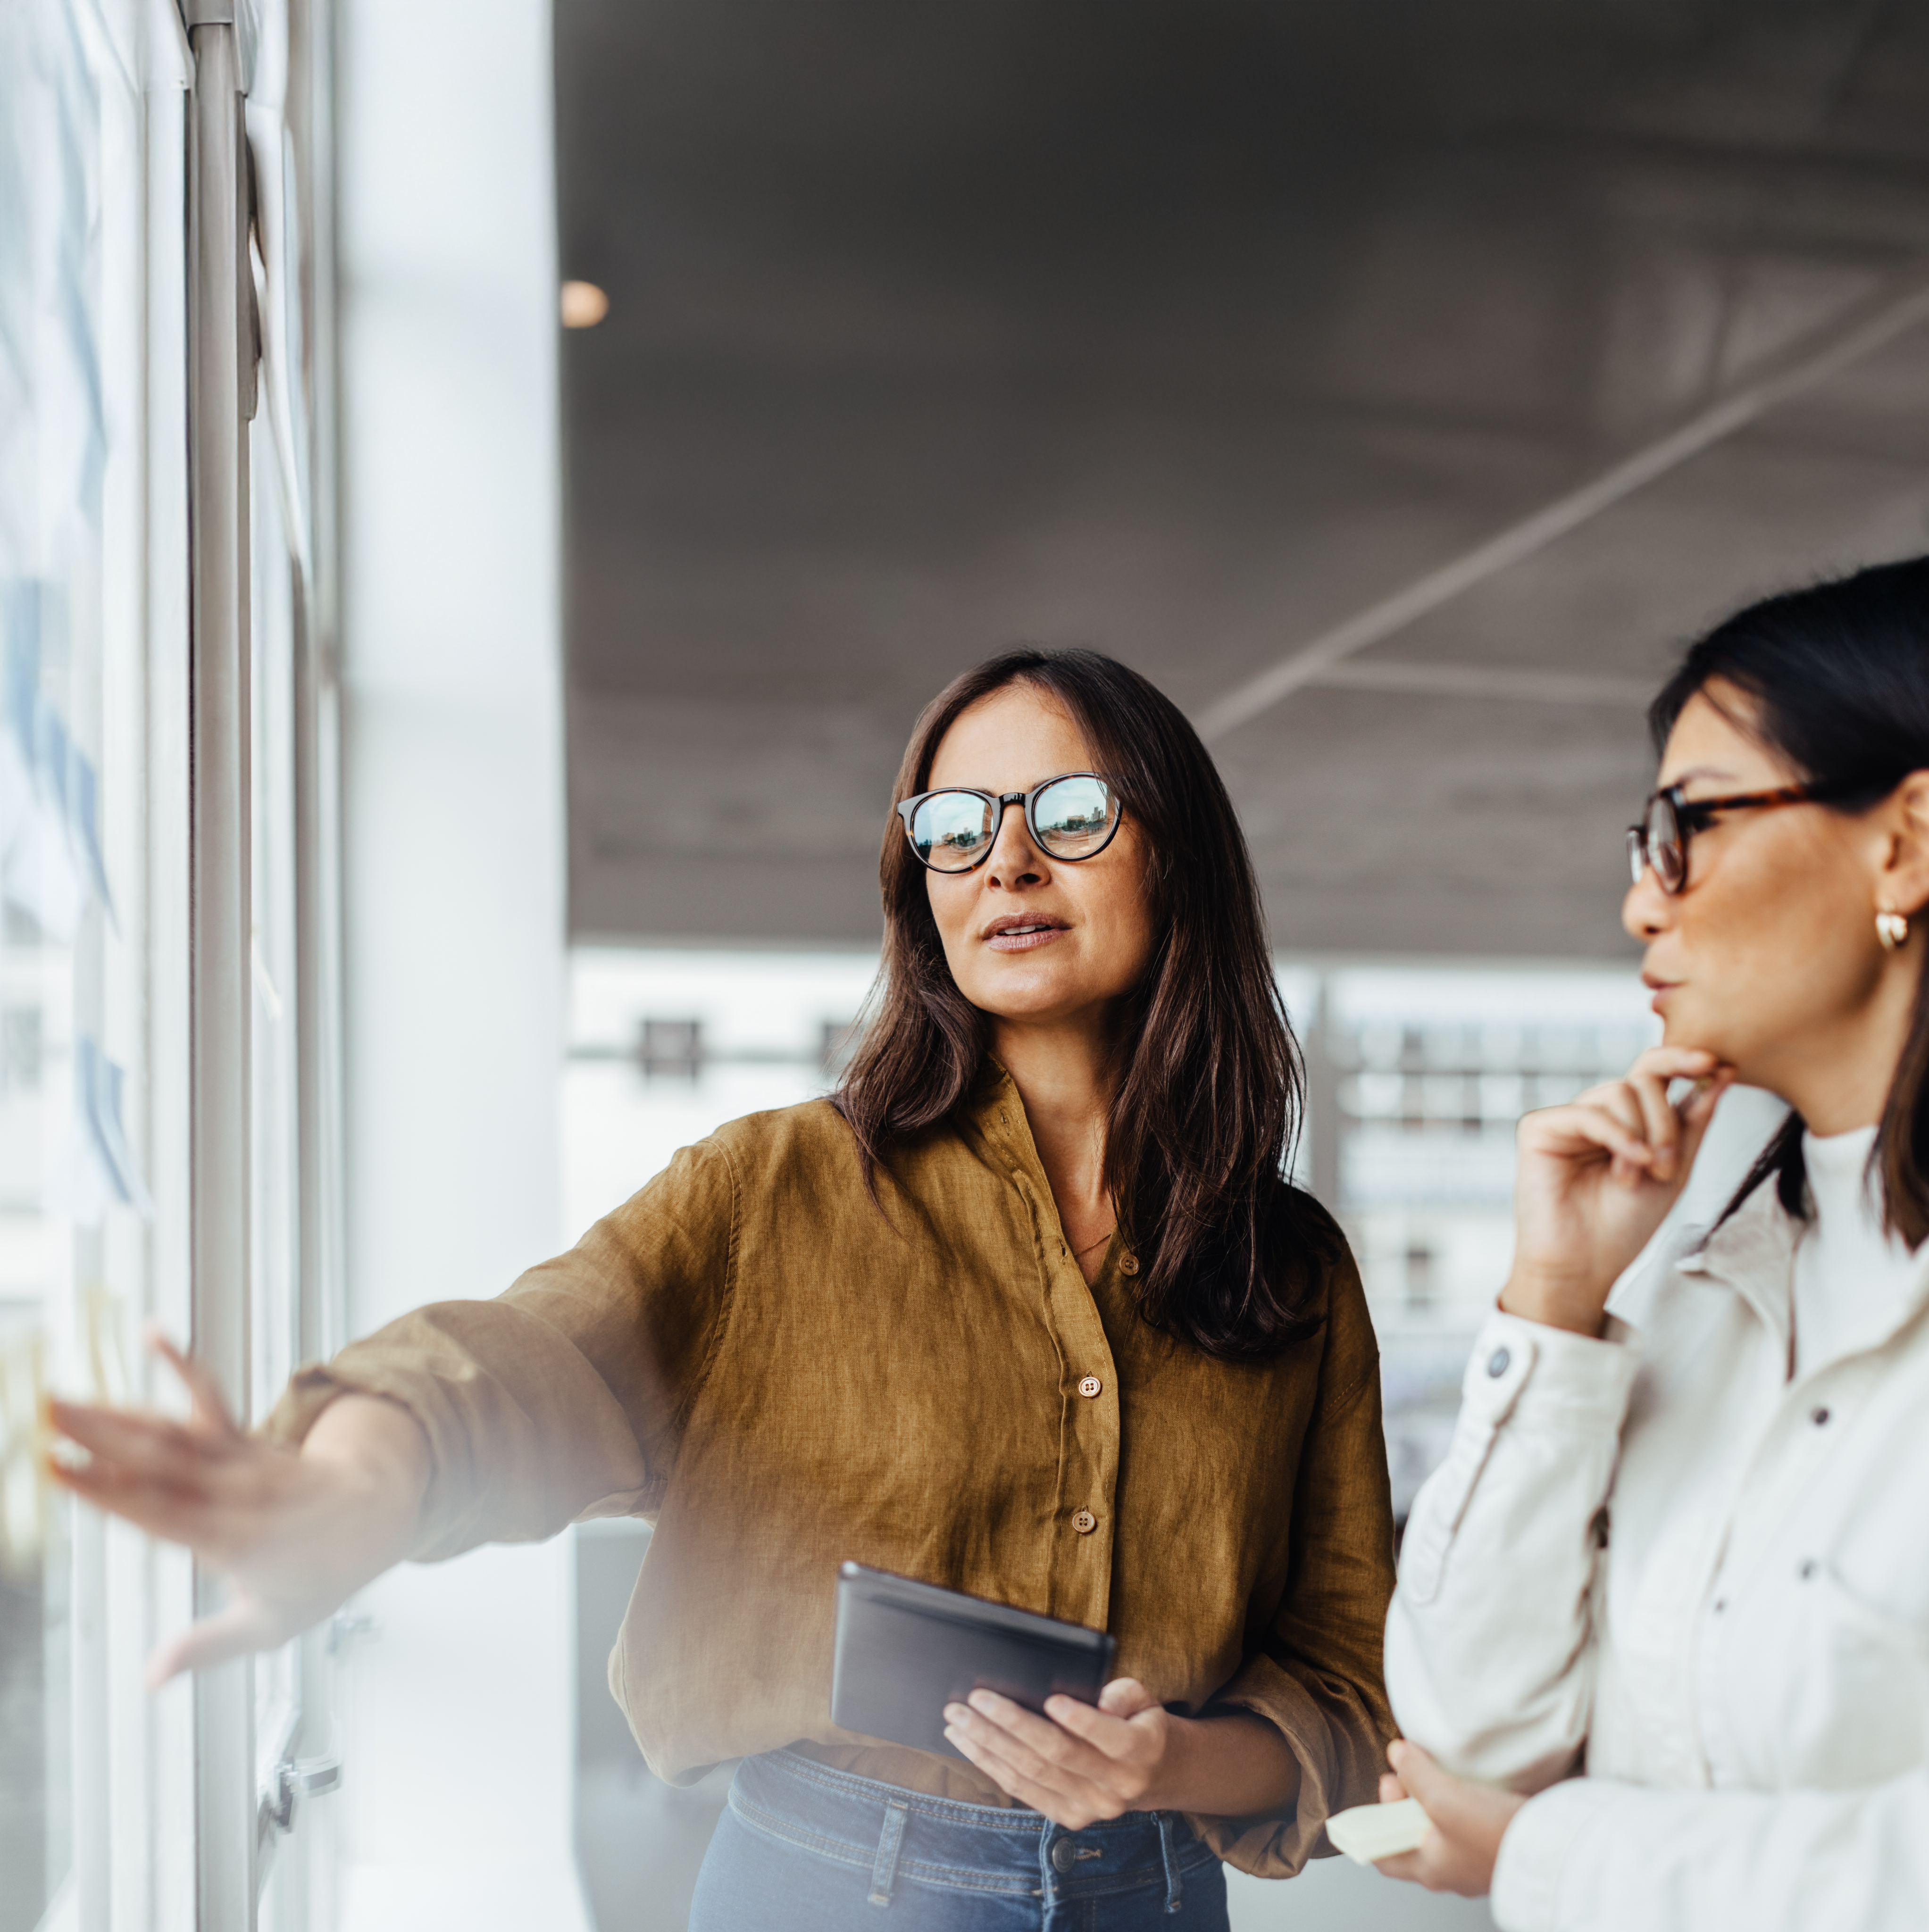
(803, 1847)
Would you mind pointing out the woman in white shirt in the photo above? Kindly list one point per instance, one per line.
(1660, 1645)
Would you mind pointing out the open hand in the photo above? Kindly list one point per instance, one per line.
(293, 1535)
(1466, 1822)
(1595, 1178)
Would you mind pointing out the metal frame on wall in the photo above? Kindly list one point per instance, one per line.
(220, 400)
(238, 1824)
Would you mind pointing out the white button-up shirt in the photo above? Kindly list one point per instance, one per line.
(1664, 1559)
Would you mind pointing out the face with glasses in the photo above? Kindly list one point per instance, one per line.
(1757, 901)
(1040, 899)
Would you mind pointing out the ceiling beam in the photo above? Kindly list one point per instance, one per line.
(1510, 683)
(1867, 326)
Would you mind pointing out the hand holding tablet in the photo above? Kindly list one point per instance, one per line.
(906, 1649)
(1031, 1703)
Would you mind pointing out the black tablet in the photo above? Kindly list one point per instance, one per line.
(905, 1650)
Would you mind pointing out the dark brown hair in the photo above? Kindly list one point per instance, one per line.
(1207, 1096)
(1839, 676)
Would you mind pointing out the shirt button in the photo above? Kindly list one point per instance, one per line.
(1130, 1265)
(1497, 1363)
(1084, 1522)
(1090, 1385)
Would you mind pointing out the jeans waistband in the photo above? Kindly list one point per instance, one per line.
(900, 1834)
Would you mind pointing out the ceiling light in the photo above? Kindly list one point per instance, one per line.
(584, 304)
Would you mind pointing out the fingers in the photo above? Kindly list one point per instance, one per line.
(1466, 1822)
(1639, 1104)
(210, 1408)
(1675, 1129)
(156, 1446)
(1675, 1062)
(1454, 1804)
(222, 1499)
(1593, 1127)
(986, 1756)
(983, 1745)
(148, 1505)
(1660, 1124)
(1053, 1804)
(1034, 1747)
(1122, 1697)
(1644, 1158)
(1617, 1097)
(1408, 1866)
(1415, 1775)
(149, 1445)
(1078, 1764)
(1697, 1109)
(1108, 1731)
(1416, 1770)
(243, 1628)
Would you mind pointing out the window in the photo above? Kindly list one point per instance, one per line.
(75, 1202)
(103, 1790)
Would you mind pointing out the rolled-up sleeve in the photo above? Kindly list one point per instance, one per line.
(1489, 1656)
(565, 1395)
(1316, 1674)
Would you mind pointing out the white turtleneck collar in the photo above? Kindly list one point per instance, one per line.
(1849, 1273)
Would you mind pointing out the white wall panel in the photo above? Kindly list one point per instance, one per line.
(457, 1722)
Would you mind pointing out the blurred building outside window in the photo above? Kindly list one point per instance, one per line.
(1422, 1074)
(1417, 1076)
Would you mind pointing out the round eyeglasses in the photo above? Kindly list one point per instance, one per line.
(1672, 819)
(1072, 817)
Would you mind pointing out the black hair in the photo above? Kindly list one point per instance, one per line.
(1838, 675)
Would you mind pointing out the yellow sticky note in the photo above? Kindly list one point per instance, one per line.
(103, 1319)
(24, 1435)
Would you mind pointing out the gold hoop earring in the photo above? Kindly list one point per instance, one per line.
(1891, 928)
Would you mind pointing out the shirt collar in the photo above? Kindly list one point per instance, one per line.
(1752, 1252)
(996, 1112)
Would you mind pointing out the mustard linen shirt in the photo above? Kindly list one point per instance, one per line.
(750, 1354)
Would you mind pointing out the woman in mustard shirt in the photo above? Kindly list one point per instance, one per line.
(1025, 1309)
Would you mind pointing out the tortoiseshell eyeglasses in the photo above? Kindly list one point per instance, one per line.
(1672, 819)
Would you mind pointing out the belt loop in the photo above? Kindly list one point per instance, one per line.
(1174, 1885)
(884, 1872)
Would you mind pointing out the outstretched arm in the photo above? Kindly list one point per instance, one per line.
(463, 1422)
(295, 1533)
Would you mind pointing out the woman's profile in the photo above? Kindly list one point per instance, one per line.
(1026, 1309)
(1678, 1546)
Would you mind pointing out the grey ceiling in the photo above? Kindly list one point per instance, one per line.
(1188, 331)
